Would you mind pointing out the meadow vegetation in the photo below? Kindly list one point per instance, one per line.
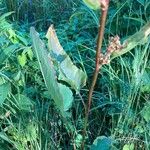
(46, 72)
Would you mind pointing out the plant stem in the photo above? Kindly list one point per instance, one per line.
(98, 64)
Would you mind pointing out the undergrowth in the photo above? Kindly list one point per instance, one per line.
(121, 100)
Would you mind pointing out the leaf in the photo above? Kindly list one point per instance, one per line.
(23, 102)
(31, 133)
(62, 100)
(68, 72)
(139, 38)
(4, 91)
(46, 68)
(4, 137)
(93, 4)
(22, 59)
(145, 112)
(6, 52)
(67, 96)
(101, 143)
(128, 147)
(4, 25)
(78, 140)
(22, 39)
(30, 53)
(5, 15)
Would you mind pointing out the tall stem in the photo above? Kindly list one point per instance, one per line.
(98, 64)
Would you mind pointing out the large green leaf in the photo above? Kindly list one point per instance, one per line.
(68, 72)
(101, 143)
(4, 91)
(59, 93)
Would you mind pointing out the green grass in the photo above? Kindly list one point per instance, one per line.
(121, 106)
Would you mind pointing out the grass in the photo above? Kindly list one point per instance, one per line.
(120, 108)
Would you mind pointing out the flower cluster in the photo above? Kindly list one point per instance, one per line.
(114, 46)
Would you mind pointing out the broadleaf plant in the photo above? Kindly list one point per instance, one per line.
(48, 72)
(67, 71)
(60, 93)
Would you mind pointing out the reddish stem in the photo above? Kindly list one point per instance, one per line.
(98, 63)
